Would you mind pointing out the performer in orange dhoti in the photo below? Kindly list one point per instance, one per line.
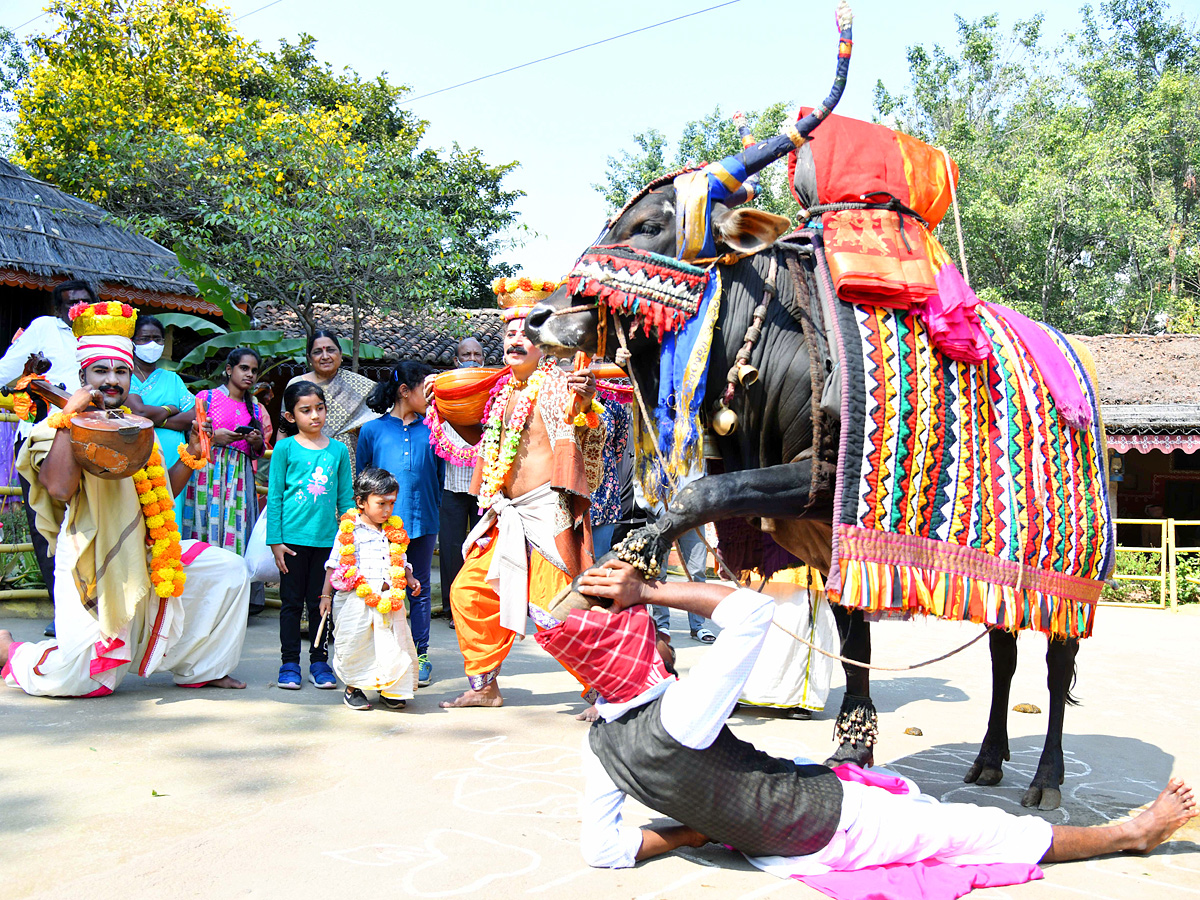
(534, 474)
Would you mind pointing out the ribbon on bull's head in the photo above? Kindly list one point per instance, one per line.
(662, 294)
(723, 182)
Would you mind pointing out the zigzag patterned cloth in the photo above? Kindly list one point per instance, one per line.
(962, 493)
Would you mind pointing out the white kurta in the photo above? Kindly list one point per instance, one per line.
(371, 651)
(787, 673)
(196, 637)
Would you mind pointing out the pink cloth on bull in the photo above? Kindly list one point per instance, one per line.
(928, 879)
(1056, 370)
(950, 316)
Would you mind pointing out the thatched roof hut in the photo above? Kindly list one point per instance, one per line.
(47, 237)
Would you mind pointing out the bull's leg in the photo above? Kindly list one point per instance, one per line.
(1044, 790)
(989, 764)
(775, 492)
(857, 726)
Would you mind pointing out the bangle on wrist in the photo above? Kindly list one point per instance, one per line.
(325, 597)
(190, 461)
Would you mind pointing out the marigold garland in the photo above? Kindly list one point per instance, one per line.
(192, 462)
(158, 509)
(498, 454)
(589, 417)
(508, 285)
(346, 576)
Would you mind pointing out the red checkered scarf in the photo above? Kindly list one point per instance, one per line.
(613, 652)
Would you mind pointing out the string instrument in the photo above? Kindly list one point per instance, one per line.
(107, 443)
(462, 394)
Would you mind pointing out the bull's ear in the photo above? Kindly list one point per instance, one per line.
(748, 230)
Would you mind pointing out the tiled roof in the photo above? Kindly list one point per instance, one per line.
(1146, 369)
(429, 336)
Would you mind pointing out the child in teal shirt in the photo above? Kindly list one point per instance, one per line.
(310, 486)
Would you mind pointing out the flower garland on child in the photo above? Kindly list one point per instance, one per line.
(497, 459)
(346, 576)
(162, 532)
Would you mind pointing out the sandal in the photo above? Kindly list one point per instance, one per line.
(704, 636)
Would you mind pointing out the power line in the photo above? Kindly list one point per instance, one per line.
(242, 16)
(534, 62)
(260, 9)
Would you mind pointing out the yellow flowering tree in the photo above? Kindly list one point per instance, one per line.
(293, 182)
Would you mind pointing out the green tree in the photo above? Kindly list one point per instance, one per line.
(292, 181)
(703, 140)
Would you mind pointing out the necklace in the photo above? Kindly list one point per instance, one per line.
(162, 531)
(347, 577)
(498, 451)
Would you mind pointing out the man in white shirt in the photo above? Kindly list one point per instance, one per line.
(50, 336)
(459, 511)
(665, 742)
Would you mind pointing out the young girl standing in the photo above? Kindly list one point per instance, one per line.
(374, 650)
(310, 482)
(220, 505)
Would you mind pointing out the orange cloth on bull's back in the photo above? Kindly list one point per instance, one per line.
(870, 262)
(853, 158)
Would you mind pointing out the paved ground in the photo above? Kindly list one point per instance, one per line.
(158, 792)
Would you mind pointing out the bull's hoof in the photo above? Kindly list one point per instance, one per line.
(983, 774)
(643, 549)
(1043, 798)
(859, 754)
(856, 731)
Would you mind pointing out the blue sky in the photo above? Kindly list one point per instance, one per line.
(562, 119)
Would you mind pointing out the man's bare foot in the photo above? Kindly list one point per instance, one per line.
(227, 682)
(489, 696)
(591, 714)
(6, 641)
(1166, 815)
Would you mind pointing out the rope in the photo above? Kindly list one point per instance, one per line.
(962, 247)
(863, 665)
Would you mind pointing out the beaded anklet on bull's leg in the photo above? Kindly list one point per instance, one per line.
(856, 732)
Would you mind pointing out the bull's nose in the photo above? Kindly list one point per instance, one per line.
(538, 316)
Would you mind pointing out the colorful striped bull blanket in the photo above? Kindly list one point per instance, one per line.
(962, 492)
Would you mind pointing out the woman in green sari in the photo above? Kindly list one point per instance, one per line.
(345, 391)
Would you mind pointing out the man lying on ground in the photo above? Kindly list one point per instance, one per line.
(664, 742)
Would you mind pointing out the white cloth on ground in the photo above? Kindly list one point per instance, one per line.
(197, 636)
(875, 827)
(528, 518)
(789, 674)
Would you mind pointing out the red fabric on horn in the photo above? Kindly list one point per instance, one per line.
(613, 652)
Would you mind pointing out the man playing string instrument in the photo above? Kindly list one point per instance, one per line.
(537, 466)
(128, 594)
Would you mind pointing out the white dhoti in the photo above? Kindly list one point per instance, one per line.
(787, 673)
(878, 828)
(373, 652)
(197, 637)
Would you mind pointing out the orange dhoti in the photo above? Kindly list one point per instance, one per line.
(483, 640)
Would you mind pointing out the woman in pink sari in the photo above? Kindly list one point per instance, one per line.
(220, 504)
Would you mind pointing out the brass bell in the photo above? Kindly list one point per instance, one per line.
(724, 419)
(746, 374)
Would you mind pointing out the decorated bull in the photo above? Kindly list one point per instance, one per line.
(933, 455)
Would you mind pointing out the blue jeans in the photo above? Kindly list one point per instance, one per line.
(695, 559)
(420, 554)
(602, 539)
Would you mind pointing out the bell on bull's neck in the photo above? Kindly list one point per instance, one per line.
(724, 419)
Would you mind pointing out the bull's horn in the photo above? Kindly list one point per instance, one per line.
(749, 190)
(733, 171)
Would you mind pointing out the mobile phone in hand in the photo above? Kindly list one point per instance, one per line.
(244, 429)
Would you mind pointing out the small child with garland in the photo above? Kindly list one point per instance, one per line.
(374, 649)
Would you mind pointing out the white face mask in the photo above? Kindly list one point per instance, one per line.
(148, 353)
(467, 364)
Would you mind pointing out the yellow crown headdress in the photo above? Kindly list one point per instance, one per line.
(103, 331)
(518, 296)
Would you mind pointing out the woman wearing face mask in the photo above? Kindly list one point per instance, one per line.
(159, 394)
